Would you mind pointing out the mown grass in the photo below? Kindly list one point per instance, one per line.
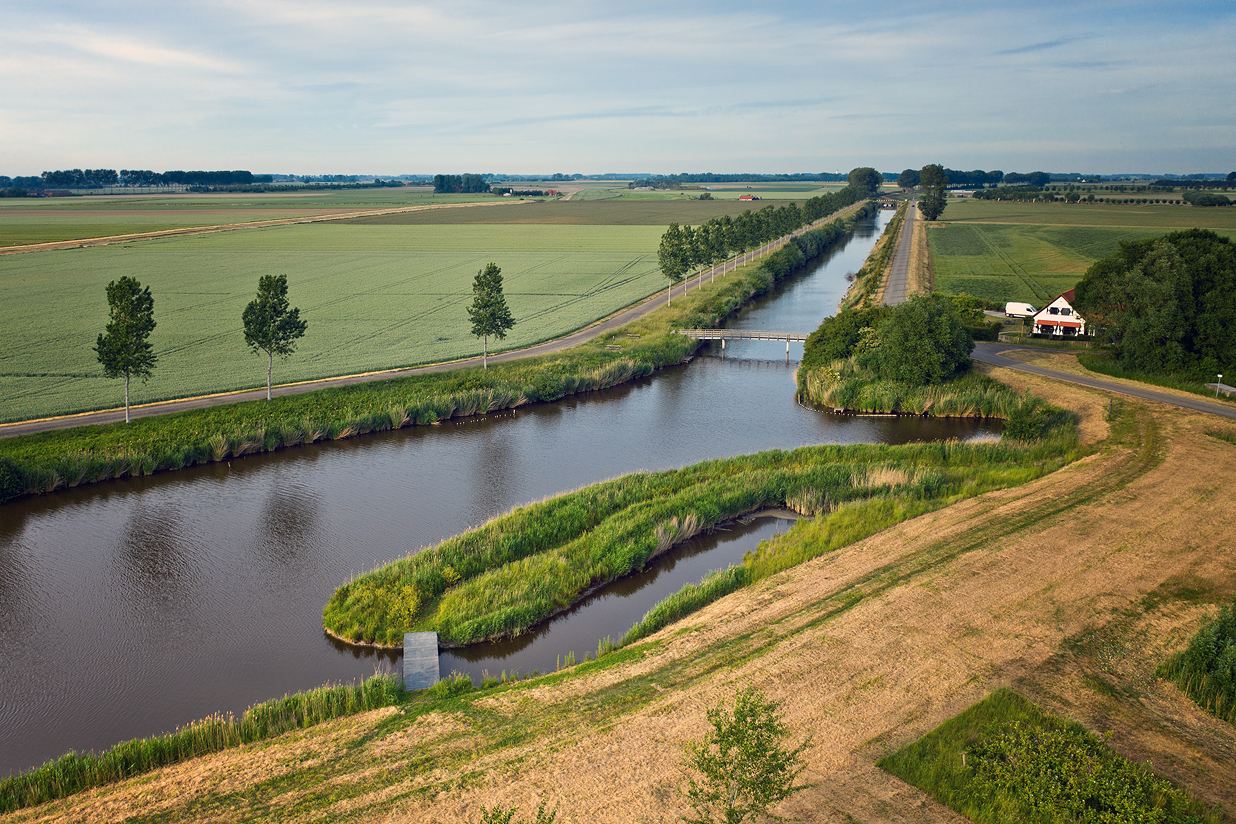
(1206, 669)
(519, 569)
(1004, 760)
(66, 458)
(73, 773)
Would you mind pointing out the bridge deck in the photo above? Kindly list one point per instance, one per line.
(742, 334)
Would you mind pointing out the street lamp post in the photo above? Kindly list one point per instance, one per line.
(1217, 384)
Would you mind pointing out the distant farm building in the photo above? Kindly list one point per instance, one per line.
(1059, 318)
(748, 197)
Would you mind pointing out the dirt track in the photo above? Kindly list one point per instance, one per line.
(1070, 589)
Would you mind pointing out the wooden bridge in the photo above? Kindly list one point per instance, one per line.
(744, 334)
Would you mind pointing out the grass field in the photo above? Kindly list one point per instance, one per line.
(622, 211)
(374, 297)
(1034, 251)
(42, 220)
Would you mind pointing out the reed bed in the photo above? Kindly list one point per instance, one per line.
(506, 576)
(73, 773)
(687, 600)
(61, 459)
(1206, 669)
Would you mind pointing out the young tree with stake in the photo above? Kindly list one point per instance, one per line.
(489, 313)
(123, 348)
(270, 326)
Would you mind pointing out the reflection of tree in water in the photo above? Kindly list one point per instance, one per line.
(18, 616)
(155, 562)
(288, 530)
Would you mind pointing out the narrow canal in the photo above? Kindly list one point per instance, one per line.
(129, 608)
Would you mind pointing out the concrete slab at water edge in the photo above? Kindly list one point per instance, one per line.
(420, 660)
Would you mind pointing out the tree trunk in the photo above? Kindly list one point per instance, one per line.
(485, 354)
(126, 397)
(270, 364)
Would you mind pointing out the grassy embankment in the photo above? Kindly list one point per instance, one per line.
(1005, 760)
(67, 458)
(503, 578)
(869, 280)
(73, 773)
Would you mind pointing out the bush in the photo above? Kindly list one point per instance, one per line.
(922, 342)
(1206, 670)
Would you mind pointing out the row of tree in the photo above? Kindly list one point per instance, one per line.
(683, 248)
(271, 325)
(110, 178)
(455, 184)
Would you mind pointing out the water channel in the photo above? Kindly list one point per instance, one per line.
(129, 608)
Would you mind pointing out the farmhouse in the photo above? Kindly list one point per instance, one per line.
(1058, 318)
(748, 197)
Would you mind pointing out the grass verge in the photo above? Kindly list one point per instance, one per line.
(67, 458)
(1005, 760)
(73, 773)
(1102, 363)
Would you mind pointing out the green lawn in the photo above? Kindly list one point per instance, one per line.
(1034, 251)
(374, 297)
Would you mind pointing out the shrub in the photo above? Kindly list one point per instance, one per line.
(1206, 670)
(923, 341)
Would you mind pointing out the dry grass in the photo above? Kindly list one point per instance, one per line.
(1069, 589)
(919, 279)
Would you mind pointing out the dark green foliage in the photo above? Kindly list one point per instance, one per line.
(73, 773)
(1206, 199)
(1033, 419)
(922, 342)
(837, 337)
(866, 179)
(12, 484)
(934, 181)
(450, 184)
(674, 255)
(1206, 669)
(746, 766)
(122, 347)
(489, 313)
(1004, 760)
(270, 325)
(1166, 305)
(908, 179)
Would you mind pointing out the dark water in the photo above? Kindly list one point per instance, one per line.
(132, 607)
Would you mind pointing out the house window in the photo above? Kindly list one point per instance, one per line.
(1055, 310)
(1066, 311)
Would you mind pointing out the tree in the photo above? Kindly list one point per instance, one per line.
(933, 180)
(489, 313)
(674, 257)
(924, 341)
(123, 348)
(270, 326)
(746, 766)
(908, 179)
(866, 179)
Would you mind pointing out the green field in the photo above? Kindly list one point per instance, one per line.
(1034, 251)
(43, 220)
(374, 297)
(615, 212)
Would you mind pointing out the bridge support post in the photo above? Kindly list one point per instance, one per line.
(723, 354)
(787, 350)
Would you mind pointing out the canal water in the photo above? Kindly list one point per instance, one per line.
(131, 607)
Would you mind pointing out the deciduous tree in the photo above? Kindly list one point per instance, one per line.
(489, 313)
(866, 179)
(674, 257)
(270, 326)
(933, 180)
(123, 348)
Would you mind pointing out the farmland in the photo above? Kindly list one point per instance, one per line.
(43, 220)
(1034, 251)
(374, 297)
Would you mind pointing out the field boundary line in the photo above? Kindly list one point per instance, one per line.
(227, 227)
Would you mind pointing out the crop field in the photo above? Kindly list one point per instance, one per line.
(615, 212)
(1034, 251)
(42, 220)
(374, 297)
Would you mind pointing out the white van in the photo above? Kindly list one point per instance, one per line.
(1018, 310)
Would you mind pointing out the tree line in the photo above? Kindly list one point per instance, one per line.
(456, 184)
(271, 325)
(110, 178)
(683, 248)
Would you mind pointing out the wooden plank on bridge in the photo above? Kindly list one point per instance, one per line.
(420, 660)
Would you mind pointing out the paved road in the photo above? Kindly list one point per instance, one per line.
(899, 273)
(597, 329)
(988, 353)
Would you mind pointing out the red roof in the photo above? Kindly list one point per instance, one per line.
(1068, 296)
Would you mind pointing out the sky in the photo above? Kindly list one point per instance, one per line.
(390, 87)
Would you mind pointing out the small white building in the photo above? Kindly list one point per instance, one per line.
(1058, 318)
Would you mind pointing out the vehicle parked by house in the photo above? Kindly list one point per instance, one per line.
(1013, 309)
(1059, 319)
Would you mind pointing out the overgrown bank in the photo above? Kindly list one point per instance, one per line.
(56, 460)
(503, 578)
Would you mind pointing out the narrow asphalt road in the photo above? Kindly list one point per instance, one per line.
(899, 274)
(989, 353)
(602, 327)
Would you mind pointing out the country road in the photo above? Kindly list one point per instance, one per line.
(989, 353)
(899, 272)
